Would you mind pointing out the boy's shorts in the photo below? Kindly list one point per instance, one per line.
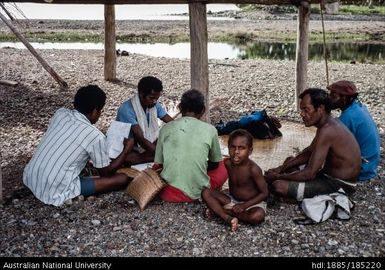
(87, 186)
(234, 201)
(321, 184)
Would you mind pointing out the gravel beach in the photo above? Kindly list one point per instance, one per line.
(112, 224)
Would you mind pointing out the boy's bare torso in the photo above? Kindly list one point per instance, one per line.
(241, 180)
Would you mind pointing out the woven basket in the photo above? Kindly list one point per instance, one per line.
(145, 186)
(130, 172)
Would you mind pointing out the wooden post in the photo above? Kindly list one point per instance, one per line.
(302, 49)
(45, 65)
(199, 57)
(109, 43)
(7, 12)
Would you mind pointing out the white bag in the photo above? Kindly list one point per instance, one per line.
(321, 207)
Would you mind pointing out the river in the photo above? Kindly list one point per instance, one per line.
(342, 52)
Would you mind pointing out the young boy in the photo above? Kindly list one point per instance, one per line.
(247, 187)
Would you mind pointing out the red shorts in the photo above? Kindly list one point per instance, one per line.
(217, 176)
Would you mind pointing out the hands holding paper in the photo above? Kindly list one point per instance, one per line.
(117, 138)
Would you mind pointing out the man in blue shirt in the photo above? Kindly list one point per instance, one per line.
(142, 112)
(359, 121)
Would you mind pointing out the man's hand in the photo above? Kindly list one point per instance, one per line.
(276, 170)
(128, 144)
(283, 167)
(157, 167)
(271, 176)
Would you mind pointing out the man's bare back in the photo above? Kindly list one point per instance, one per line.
(343, 159)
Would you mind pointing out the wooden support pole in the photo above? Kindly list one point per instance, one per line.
(302, 50)
(199, 57)
(45, 65)
(7, 12)
(109, 43)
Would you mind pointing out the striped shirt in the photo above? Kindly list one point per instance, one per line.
(69, 143)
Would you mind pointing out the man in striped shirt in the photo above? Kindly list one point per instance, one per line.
(70, 142)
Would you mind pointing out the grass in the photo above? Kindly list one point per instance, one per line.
(343, 9)
(241, 38)
(355, 10)
(53, 37)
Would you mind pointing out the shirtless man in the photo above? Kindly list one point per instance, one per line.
(247, 187)
(332, 161)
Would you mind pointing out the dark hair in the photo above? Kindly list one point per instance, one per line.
(88, 98)
(148, 84)
(351, 99)
(192, 101)
(241, 133)
(318, 97)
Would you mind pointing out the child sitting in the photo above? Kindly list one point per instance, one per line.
(247, 186)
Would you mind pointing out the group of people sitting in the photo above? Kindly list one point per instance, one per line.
(187, 155)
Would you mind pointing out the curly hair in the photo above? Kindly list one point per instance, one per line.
(88, 98)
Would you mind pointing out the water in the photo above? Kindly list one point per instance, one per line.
(96, 12)
(339, 51)
(178, 50)
(346, 52)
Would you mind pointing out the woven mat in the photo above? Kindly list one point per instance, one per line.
(271, 153)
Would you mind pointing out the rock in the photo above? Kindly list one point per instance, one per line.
(179, 239)
(332, 242)
(95, 222)
(196, 251)
(68, 202)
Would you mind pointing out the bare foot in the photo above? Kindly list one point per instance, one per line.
(233, 222)
(208, 213)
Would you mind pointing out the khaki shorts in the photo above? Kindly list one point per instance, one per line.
(234, 201)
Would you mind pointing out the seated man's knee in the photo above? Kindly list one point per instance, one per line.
(122, 179)
(280, 187)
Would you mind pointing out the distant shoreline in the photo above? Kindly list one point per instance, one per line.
(238, 30)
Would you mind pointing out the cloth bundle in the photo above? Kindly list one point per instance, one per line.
(322, 207)
(258, 123)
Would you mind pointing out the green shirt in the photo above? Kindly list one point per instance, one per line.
(184, 146)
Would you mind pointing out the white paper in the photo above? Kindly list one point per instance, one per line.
(143, 166)
(115, 137)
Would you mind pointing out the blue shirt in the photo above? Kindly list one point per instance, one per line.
(127, 114)
(359, 121)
